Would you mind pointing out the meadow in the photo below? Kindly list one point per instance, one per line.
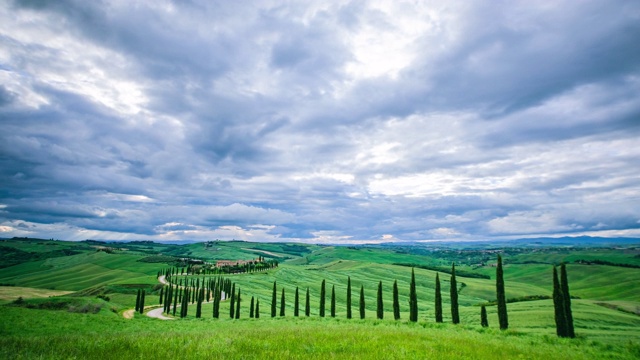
(72, 305)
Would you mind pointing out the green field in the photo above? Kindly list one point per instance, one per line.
(62, 317)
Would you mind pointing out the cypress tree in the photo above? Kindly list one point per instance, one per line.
(558, 305)
(566, 297)
(138, 301)
(185, 303)
(380, 307)
(273, 301)
(282, 303)
(175, 300)
(333, 301)
(349, 298)
(161, 294)
(238, 305)
(199, 304)
(322, 298)
(296, 305)
(232, 303)
(362, 302)
(502, 301)
(307, 306)
(257, 308)
(483, 317)
(455, 315)
(251, 308)
(396, 302)
(438, 300)
(413, 299)
(142, 301)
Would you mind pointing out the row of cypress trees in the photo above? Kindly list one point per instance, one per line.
(561, 299)
(140, 301)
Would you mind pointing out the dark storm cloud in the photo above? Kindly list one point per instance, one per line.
(318, 122)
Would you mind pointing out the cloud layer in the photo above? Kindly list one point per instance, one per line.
(320, 122)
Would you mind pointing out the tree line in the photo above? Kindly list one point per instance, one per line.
(194, 291)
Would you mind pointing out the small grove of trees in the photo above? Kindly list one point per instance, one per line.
(562, 303)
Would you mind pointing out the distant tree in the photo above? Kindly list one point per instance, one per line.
(161, 294)
(307, 306)
(380, 304)
(273, 300)
(566, 297)
(455, 315)
(142, 301)
(483, 316)
(238, 298)
(413, 298)
(296, 305)
(503, 319)
(362, 305)
(322, 298)
(257, 308)
(396, 302)
(438, 300)
(232, 302)
(349, 298)
(282, 303)
(251, 308)
(333, 301)
(558, 305)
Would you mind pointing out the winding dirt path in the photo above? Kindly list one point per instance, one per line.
(156, 311)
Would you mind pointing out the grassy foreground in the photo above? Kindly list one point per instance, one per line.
(106, 335)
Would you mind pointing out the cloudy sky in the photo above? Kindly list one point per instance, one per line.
(319, 121)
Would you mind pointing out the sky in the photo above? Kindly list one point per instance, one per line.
(319, 121)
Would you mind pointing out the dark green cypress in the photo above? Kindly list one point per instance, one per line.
(322, 298)
(349, 315)
(453, 291)
(558, 305)
(362, 310)
(142, 301)
(396, 301)
(438, 299)
(238, 298)
(199, 304)
(307, 306)
(175, 300)
(273, 300)
(138, 301)
(296, 305)
(282, 303)
(257, 308)
(566, 297)
(161, 294)
(380, 305)
(500, 293)
(232, 302)
(333, 301)
(483, 316)
(251, 308)
(185, 303)
(413, 298)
